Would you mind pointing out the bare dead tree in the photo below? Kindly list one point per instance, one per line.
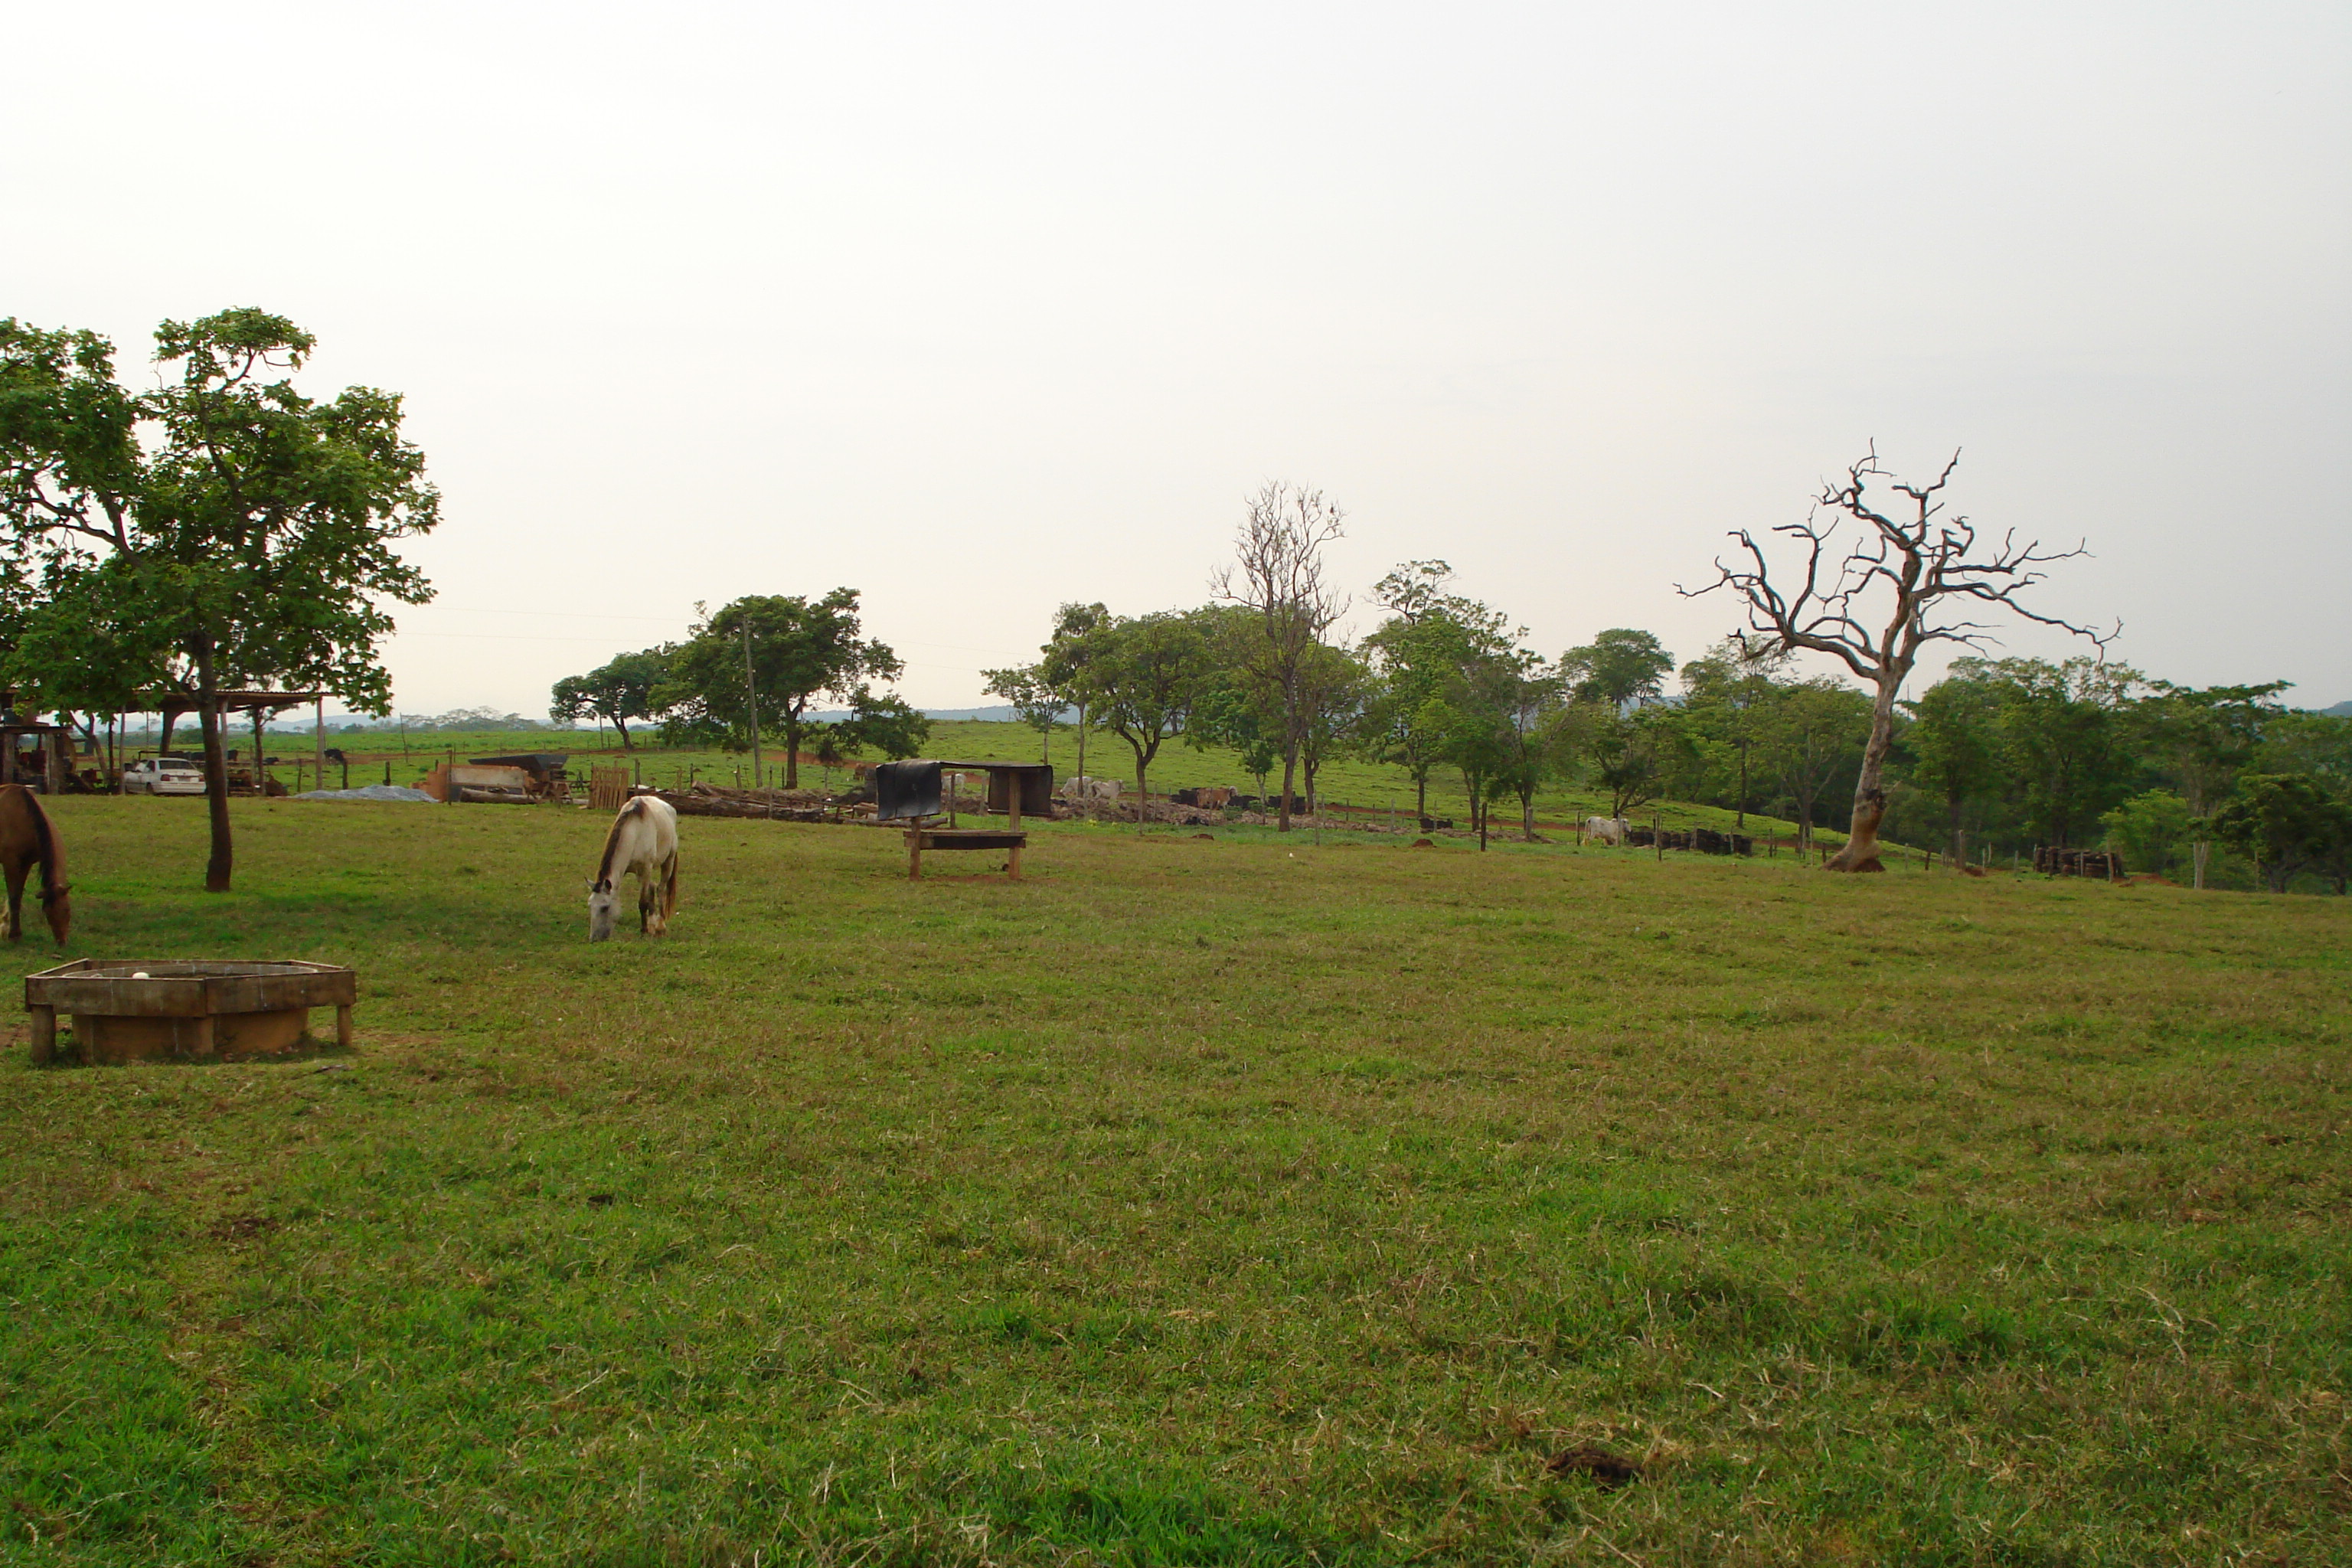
(1277, 574)
(1894, 577)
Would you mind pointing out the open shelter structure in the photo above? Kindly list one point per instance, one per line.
(48, 768)
(909, 792)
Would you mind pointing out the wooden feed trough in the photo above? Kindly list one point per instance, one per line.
(131, 1010)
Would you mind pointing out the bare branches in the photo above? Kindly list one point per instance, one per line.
(1898, 566)
(1874, 603)
(1278, 562)
(1277, 574)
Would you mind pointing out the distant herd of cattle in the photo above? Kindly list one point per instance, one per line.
(1704, 840)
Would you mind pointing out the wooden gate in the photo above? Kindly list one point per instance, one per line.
(607, 787)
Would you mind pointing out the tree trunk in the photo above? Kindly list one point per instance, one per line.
(1421, 793)
(208, 721)
(1742, 823)
(1860, 851)
(1528, 816)
(1082, 740)
(1289, 776)
(622, 725)
(2198, 852)
(1140, 795)
(1952, 802)
(793, 751)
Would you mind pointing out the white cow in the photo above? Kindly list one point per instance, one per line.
(1607, 829)
(1084, 788)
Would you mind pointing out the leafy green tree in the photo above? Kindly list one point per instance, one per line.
(2148, 829)
(619, 689)
(2064, 738)
(1439, 694)
(1813, 730)
(1620, 666)
(1727, 694)
(1145, 675)
(2284, 823)
(878, 721)
(1625, 751)
(2307, 743)
(1228, 714)
(1333, 693)
(800, 649)
(1234, 709)
(1038, 704)
(1068, 657)
(224, 530)
(2203, 739)
(1955, 743)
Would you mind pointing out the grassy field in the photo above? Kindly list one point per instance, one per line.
(1195, 1202)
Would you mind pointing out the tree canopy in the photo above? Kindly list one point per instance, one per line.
(223, 531)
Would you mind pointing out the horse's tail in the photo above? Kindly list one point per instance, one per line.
(669, 888)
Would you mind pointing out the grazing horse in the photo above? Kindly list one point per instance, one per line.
(643, 840)
(26, 840)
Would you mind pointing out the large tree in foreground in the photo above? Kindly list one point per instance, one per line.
(222, 530)
(1911, 570)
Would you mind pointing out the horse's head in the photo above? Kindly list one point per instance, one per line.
(600, 904)
(57, 904)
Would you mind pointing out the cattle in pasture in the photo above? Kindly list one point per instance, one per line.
(26, 840)
(643, 842)
(1082, 788)
(1607, 829)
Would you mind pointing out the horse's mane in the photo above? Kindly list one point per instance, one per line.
(626, 815)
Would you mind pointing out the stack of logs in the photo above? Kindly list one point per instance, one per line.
(2052, 860)
(769, 805)
(1706, 840)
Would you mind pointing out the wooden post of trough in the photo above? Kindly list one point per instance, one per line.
(1012, 822)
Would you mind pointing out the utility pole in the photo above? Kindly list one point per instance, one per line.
(751, 703)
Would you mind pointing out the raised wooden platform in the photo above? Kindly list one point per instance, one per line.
(921, 838)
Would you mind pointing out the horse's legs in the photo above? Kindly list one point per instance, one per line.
(15, 927)
(670, 888)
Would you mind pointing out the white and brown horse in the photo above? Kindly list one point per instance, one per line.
(27, 840)
(643, 840)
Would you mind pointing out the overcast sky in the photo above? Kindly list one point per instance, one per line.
(980, 308)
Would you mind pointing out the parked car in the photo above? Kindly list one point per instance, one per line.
(162, 775)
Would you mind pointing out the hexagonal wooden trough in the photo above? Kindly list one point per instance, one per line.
(126, 1010)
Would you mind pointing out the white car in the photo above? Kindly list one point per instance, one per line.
(162, 775)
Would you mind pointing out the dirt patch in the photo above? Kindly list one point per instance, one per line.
(242, 1227)
(1609, 1471)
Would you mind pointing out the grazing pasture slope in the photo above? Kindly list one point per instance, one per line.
(1191, 1202)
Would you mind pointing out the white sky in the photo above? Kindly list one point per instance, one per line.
(979, 308)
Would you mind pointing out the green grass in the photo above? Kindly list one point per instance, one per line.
(1225, 1202)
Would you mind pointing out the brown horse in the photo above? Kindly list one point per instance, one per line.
(27, 840)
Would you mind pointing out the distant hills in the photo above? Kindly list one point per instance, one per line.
(2341, 710)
